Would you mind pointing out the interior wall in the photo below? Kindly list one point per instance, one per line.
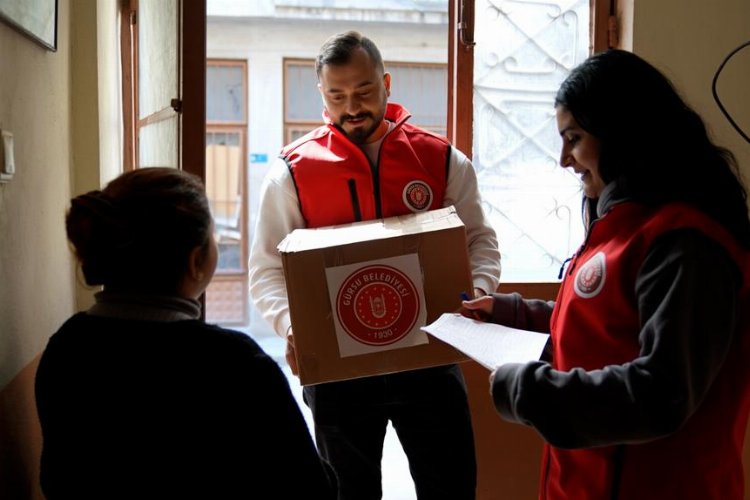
(84, 107)
(96, 106)
(690, 51)
(36, 278)
(63, 108)
(36, 272)
(688, 40)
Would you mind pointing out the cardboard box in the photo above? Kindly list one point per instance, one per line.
(359, 293)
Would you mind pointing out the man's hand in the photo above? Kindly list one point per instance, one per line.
(290, 355)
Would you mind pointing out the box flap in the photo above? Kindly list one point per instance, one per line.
(301, 240)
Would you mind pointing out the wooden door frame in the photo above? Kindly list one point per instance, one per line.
(193, 150)
(192, 101)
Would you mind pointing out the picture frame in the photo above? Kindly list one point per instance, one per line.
(37, 19)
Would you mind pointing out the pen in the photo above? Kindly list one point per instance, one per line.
(465, 296)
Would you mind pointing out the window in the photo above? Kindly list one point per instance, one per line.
(226, 164)
(421, 88)
(302, 103)
(523, 51)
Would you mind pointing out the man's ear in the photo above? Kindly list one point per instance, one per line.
(387, 83)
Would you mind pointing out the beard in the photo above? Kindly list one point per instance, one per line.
(360, 133)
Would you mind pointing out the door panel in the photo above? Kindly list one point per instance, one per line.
(158, 83)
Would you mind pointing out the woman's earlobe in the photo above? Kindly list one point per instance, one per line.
(195, 264)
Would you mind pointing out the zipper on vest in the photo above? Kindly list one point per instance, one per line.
(376, 188)
(355, 200)
(562, 267)
(375, 168)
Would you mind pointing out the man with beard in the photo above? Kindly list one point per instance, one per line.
(367, 163)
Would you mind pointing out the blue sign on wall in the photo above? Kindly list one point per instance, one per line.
(258, 158)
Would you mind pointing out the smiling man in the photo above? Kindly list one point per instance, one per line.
(368, 163)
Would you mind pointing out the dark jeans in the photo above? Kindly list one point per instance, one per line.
(429, 410)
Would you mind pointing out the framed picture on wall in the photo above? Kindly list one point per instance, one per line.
(36, 19)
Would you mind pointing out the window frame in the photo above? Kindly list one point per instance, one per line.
(241, 131)
(461, 86)
(189, 104)
(240, 128)
(290, 126)
(242, 64)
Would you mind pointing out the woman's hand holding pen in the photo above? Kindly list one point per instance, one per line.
(479, 309)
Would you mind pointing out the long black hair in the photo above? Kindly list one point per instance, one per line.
(652, 143)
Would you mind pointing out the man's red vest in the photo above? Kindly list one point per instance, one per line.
(336, 184)
(596, 324)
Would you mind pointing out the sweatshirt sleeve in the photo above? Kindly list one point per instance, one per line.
(462, 192)
(278, 215)
(510, 309)
(686, 292)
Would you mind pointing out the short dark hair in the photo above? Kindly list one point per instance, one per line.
(652, 143)
(338, 49)
(137, 233)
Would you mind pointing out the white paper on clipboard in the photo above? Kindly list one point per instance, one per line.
(488, 344)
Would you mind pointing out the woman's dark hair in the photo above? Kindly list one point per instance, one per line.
(338, 50)
(137, 233)
(652, 143)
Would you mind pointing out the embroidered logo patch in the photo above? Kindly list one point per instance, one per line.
(377, 305)
(417, 196)
(591, 276)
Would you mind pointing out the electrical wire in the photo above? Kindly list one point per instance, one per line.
(716, 95)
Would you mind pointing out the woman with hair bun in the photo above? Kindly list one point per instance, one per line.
(139, 398)
(646, 391)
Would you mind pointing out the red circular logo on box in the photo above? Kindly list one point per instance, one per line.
(377, 305)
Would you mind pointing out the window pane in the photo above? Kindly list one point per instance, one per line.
(524, 50)
(157, 55)
(225, 99)
(423, 90)
(158, 144)
(303, 100)
(224, 190)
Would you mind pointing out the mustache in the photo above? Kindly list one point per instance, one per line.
(346, 118)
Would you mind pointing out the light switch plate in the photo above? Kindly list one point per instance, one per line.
(8, 165)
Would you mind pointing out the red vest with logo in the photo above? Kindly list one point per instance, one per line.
(596, 324)
(336, 184)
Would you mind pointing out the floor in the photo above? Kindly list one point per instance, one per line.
(397, 482)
